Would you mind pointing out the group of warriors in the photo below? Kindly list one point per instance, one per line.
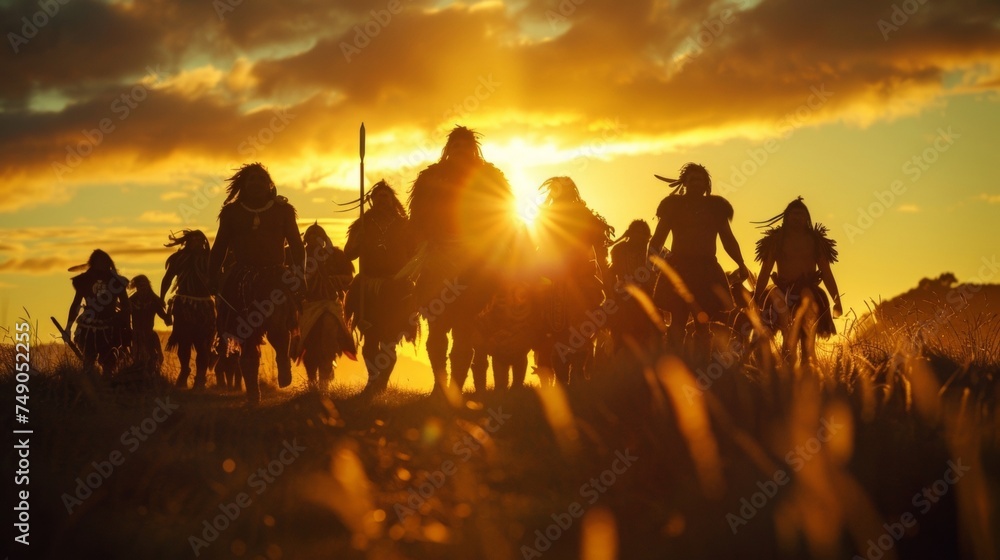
(461, 262)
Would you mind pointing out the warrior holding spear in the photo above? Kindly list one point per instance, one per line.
(378, 299)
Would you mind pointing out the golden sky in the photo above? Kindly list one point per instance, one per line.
(120, 119)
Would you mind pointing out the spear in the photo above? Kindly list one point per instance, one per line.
(361, 224)
(67, 339)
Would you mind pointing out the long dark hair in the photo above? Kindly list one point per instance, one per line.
(383, 185)
(797, 204)
(189, 239)
(462, 144)
(239, 180)
(316, 231)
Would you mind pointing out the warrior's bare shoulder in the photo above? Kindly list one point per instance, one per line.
(668, 207)
(721, 207)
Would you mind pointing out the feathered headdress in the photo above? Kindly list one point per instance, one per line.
(798, 203)
(679, 185)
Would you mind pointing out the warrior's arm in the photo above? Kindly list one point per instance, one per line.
(762, 278)
(162, 312)
(353, 246)
(295, 247)
(168, 279)
(74, 310)
(831, 284)
(659, 236)
(123, 302)
(732, 247)
(217, 256)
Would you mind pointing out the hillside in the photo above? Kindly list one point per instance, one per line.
(960, 320)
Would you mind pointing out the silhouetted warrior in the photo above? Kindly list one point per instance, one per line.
(191, 306)
(323, 331)
(509, 326)
(795, 303)
(572, 246)
(145, 306)
(462, 211)
(384, 249)
(257, 290)
(103, 327)
(630, 265)
(227, 347)
(697, 218)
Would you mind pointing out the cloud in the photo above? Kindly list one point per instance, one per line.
(157, 217)
(44, 250)
(908, 208)
(287, 84)
(989, 198)
(35, 265)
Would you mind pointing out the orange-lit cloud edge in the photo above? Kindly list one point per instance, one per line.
(186, 93)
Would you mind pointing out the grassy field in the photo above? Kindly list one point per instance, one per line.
(885, 450)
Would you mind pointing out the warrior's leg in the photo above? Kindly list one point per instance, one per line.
(326, 365)
(461, 355)
(279, 338)
(678, 326)
(387, 351)
(501, 370)
(311, 363)
(561, 363)
(480, 365)
(544, 358)
(108, 361)
(157, 354)
(236, 373)
(202, 349)
(519, 365)
(702, 343)
(809, 326)
(222, 362)
(250, 366)
(184, 357)
(437, 351)
(371, 354)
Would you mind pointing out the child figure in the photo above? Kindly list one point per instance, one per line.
(145, 305)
